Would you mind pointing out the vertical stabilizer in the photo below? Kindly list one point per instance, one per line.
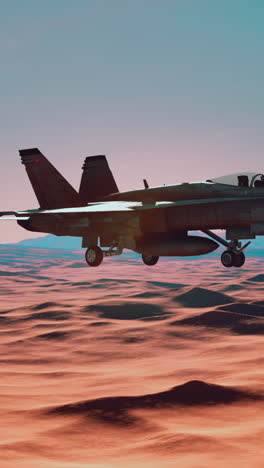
(50, 187)
(97, 179)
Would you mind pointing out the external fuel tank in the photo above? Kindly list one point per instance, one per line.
(180, 247)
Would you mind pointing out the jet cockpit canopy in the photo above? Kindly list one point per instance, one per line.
(240, 179)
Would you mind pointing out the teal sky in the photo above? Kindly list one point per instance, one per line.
(168, 90)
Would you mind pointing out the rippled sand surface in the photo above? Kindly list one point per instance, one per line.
(130, 366)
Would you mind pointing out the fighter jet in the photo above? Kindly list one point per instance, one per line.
(153, 221)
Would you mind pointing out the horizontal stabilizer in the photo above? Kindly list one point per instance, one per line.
(50, 187)
(14, 218)
(7, 213)
(97, 179)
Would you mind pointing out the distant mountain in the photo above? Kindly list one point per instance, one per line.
(52, 242)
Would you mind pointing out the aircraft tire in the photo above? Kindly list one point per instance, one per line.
(239, 260)
(227, 258)
(150, 260)
(94, 256)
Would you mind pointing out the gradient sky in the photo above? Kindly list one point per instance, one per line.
(169, 90)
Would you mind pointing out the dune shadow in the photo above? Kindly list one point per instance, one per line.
(249, 328)
(233, 287)
(256, 279)
(214, 318)
(164, 284)
(245, 308)
(116, 410)
(77, 265)
(11, 273)
(130, 311)
(54, 336)
(50, 315)
(200, 297)
(237, 323)
(146, 295)
(99, 324)
(45, 305)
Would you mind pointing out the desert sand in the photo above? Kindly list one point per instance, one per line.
(130, 366)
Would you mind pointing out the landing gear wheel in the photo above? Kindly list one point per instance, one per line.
(227, 258)
(239, 259)
(94, 256)
(150, 260)
(236, 259)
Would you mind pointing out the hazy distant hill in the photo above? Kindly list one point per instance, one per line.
(52, 242)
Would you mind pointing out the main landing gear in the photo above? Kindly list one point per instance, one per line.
(234, 255)
(150, 260)
(94, 255)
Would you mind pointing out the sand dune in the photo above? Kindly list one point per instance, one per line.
(129, 366)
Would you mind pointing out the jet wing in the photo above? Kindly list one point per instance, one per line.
(118, 206)
(103, 207)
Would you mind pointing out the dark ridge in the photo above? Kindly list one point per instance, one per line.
(77, 265)
(122, 281)
(10, 273)
(50, 315)
(146, 295)
(81, 283)
(233, 287)
(165, 316)
(3, 319)
(252, 328)
(214, 318)
(33, 275)
(36, 361)
(200, 297)
(237, 323)
(57, 335)
(45, 305)
(257, 279)
(49, 285)
(258, 303)
(129, 311)
(253, 310)
(163, 284)
(115, 410)
(99, 286)
(99, 324)
(21, 281)
(134, 339)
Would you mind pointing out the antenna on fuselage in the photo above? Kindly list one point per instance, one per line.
(146, 185)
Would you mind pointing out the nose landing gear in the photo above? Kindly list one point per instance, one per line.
(229, 258)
